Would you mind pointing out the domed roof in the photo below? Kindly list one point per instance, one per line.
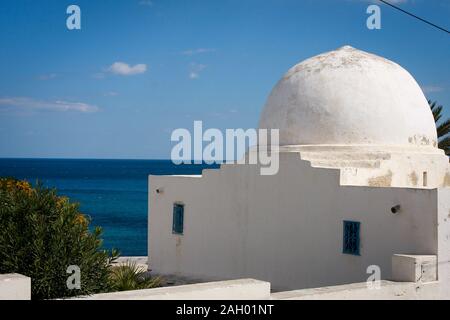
(349, 97)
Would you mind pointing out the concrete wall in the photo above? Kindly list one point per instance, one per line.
(243, 289)
(286, 228)
(417, 274)
(14, 286)
(443, 264)
(415, 277)
(359, 291)
(249, 289)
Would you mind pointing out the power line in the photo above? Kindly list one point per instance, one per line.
(414, 16)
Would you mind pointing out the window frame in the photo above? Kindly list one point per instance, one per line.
(175, 225)
(345, 250)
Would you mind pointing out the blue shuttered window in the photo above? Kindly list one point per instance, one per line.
(351, 237)
(178, 218)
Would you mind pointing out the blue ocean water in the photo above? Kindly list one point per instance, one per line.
(112, 192)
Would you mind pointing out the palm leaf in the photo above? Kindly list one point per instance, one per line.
(444, 144)
(443, 129)
(436, 110)
(130, 276)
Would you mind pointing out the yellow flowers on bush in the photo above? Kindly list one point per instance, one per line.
(81, 219)
(15, 185)
(43, 234)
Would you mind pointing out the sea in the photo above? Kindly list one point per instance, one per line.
(112, 192)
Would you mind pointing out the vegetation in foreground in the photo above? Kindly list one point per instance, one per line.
(129, 276)
(442, 126)
(42, 234)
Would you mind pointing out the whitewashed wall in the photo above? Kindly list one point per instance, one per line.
(444, 241)
(14, 286)
(286, 229)
(242, 289)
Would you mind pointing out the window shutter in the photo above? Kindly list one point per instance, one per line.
(178, 218)
(351, 238)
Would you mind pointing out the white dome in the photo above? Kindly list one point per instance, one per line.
(349, 97)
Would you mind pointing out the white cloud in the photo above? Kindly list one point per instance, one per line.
(431, 89)
(110, 94)
(147, 3)
(195, 69)
(49, 76)
(191, 52)
(124, 69)
(31, 104)
(193, 75)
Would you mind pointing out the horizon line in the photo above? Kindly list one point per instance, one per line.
(133, 159)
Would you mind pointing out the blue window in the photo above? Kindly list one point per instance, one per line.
(178, 218)
(351, 237)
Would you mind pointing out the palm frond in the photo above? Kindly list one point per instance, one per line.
(436, 110)
(443, 128)
(444, 144)
(130, 276)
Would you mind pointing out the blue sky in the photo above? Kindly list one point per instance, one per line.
(139, 69)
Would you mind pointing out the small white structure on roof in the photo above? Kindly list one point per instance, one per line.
(361, 179)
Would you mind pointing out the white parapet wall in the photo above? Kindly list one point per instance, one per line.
(14, 286)
(384, 290)
(250, 289)
(414, 268)
(415, 277)
(242, 289)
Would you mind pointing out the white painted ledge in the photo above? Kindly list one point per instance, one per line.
(414, 268)
(242, 289)
(360, 291)
(14, 286)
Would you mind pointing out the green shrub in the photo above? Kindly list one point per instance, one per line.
(129, 276)
(42, 234)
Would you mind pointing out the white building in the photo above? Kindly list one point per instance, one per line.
(360, 179)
